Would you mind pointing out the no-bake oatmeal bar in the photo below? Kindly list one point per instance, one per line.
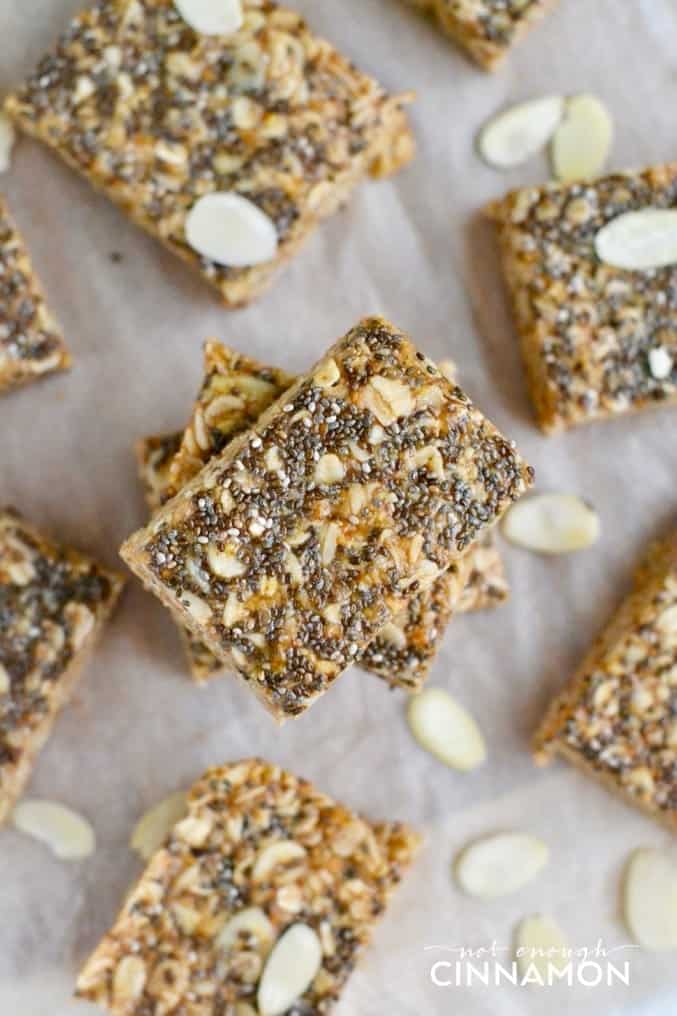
(235, 392)
(589, 332)
(158, 115)
(291, 550)
(54, 603)
(31, 343)
(260, 852)
(486, 29)
(617, 719)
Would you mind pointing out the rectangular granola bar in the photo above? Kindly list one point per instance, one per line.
(590, 333)
(292, 549)
(261, 855)
(162, 117)
(486, 29)
(53, 605)
(235, 392)
(31, 343)
(617, 719)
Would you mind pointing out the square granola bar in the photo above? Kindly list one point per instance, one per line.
(264, 877)
(31, 343)
(290, 551)
(227, 148)
(235, 392)
(618, 717)
(597, 341)
(486, 29)
(54, 603)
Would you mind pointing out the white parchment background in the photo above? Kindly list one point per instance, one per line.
(414, 250)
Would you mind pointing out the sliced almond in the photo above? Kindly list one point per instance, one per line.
(501, 864)
(252, 922)
(5, 682)
(291, 968)
(282, 852)
(650, 899)
(129, 980)
(329, 469)
(446, 730)
(540, 943)
(583, 139)
(153, 828)
(196, 606)
(449, 370)
(394, 635)
(224, 564)
(513, 136)
(667, 622)
(552, 524)
(68, 835)
(661, 363)
(639, 241)
(231, 230)
(212, 17)
(7, 139)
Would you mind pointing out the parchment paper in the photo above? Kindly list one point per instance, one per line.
(414, 250)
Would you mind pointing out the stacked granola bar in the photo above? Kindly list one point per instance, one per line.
(235, 391)
(312, 532)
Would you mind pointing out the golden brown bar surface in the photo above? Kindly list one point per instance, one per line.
(486, 29)
(54, 603)
(259, 852)
(290, 551)
(617, 719)
(31, 343)
(587, 330)
(235, 392)
(157, 115)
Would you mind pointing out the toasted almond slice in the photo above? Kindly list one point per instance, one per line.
(231, 230)
(551, 524)
(650, 899)
(661, 363)
(68, 835)
(291, 968)
(7, 139)
(581, 144)
(446, 730)
(251, 921)
(449, 370)
(540, 943)
(212, 17)
(281, 852)
(501, 864)
(639, 241)
(513, 136)
(152, 829)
